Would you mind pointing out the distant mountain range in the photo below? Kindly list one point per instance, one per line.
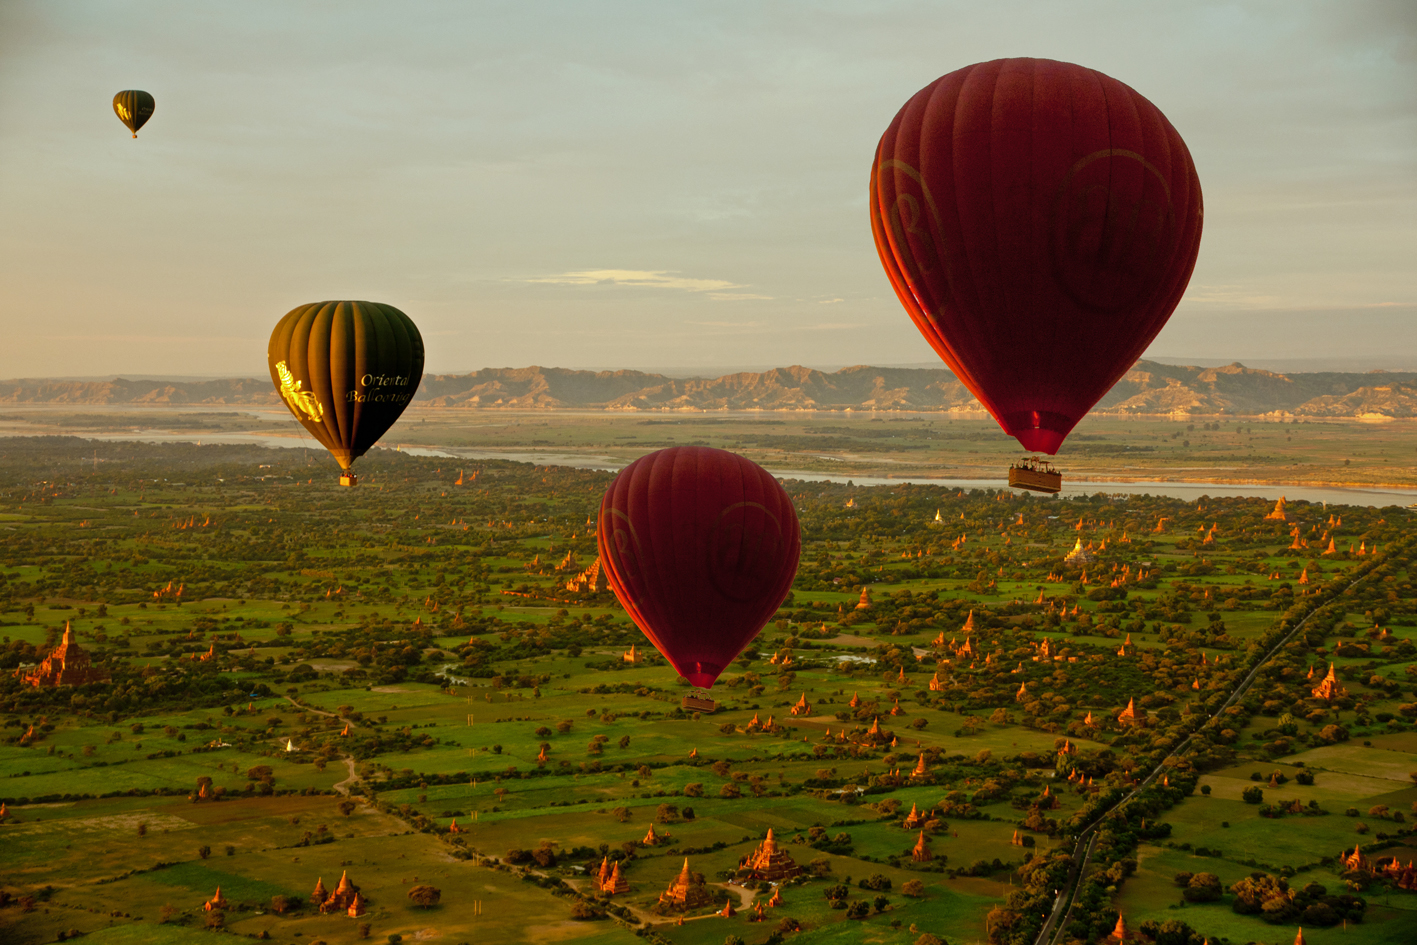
(1149, 388)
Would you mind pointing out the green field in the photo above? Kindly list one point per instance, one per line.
(409, 650)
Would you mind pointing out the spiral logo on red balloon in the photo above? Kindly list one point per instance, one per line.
(744, 561)
(1114, 230)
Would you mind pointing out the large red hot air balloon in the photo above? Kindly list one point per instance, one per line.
(1039, 221)
(701, 547)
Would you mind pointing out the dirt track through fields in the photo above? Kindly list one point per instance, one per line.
(342, 786)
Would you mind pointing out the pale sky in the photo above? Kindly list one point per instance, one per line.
(644, 184)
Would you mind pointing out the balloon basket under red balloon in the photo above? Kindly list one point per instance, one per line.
(348, 479)
(1036, 475)
(699, 702)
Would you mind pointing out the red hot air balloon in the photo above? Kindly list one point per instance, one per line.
(701, 547)
(1039, 221)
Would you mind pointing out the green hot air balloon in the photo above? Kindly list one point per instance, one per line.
(134, 108)
(346, 370)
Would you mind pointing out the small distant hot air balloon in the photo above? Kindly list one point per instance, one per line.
(1039, 222)
(134, 108)
(346, 370)
(700, 545)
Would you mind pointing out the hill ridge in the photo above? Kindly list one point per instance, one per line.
(1150, 388)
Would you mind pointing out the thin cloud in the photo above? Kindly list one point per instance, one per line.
(736, 296)
(654, 279)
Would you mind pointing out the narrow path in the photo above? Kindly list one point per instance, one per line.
(343, 786)
(1059, 918)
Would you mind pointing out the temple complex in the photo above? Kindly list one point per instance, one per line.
(1079, 555)
(320, 894)
(1132, 715)
(68, 664)
(344, 898)
(1119, 933)
(921, 853)
(610, 880)
(1278, 515)
(803, 707)
(922, 771)
(687, 891)
(770, 862)
(651, 838)
(590, 581)
(1329, 688)
(216, 902)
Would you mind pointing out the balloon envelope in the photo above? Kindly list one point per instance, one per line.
(346, 370)
(1039, 221)
(133, 107)
(700, 545)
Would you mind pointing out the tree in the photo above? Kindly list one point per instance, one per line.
(730, 790)
(581, 910)
(1204, 887)
(346, 806)
(880, 903)
(279, 904)
(364, 929)
(913, 888)
(204, 851)
(694, 789)
(1252, 795)
(142, 828)
(1171, 932)
(666, 813)
(166, 912)
(929, 938)
(425, 896)
(859, 909)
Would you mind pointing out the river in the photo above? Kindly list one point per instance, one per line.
(1374, 496)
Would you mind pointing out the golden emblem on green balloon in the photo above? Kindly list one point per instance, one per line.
(302, 403)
